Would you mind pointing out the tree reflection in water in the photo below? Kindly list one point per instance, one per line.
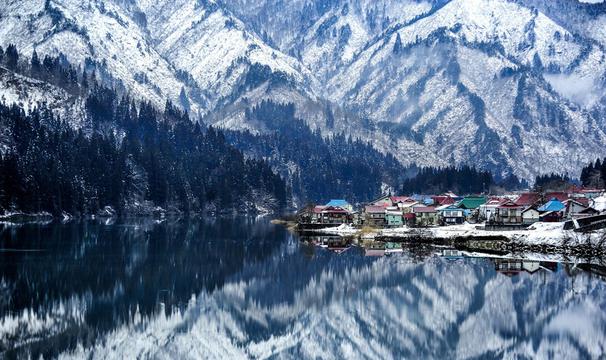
(242, 287)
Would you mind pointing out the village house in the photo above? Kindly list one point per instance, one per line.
(552, 211)
(591, 193)
(586, 193)
(409, 219)
(408, 205)
(508, 213)
(340, 203)
(399, 200)
(530, 215)
(383, 201)
(423, 199)
(561, 196)
(425, 216)
(330, 215)
(394, 216)
(528, 199)
(471, 202)
(450, 214)
(574, 209)
(428, 210)
(374, 216)
(441, 200)
(488, 210)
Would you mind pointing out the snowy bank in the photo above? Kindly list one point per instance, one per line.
(551, 234)
(341, 230)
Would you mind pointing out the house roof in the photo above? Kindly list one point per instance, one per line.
(443, 200)
(527, 199)
(529, 208)
(398, 199)
(446, 207)
(424, 209)
(583, 201)
(508, 204)
(471, 202)
(330, 209)
(584, 190)
(589, 210)
(381, 199)
(548, 213)
(567, 202)
(409, 216)
(552, 205)
(559, 195)
(338, 202)
(318, 209)
(374, 209)
(410, 203)
(493, 202)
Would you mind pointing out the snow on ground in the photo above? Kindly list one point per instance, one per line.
(536, 234)
(341, 230)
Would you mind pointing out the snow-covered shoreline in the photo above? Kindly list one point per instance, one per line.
(549, 234)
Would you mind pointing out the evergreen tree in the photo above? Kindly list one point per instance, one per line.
(36, 66)
(397, 46)
(11, 57)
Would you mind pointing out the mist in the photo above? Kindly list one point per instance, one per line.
(575, 88)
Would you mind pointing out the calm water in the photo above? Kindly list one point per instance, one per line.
(243, 288)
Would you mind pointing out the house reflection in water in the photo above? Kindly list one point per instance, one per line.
(512, 267)
(335, 244)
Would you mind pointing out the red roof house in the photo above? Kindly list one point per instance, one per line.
(528, 199)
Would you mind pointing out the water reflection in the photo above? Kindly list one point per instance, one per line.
(244, 288)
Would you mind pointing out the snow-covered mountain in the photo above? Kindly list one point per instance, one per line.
(482, 81)
(508, 85)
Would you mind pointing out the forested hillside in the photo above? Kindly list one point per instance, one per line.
(125, 157)
(318, 168)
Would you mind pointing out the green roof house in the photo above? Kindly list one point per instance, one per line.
(471, 202)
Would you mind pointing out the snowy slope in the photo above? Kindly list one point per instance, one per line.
(495, 83)
(507, 85)
(101, 31)
(28, 93)
(215, 48)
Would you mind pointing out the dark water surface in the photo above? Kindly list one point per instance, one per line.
(244, 288)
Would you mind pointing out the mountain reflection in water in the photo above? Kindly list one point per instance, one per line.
(241, 288)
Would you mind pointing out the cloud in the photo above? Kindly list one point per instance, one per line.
(575, 88)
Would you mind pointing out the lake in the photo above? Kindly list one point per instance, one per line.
(244, 288)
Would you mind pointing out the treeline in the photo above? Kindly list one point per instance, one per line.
(594, 174)
(53, 70)
(318, 168)
(128, 156)
(553, 182)
(461, 180)
(149, 159)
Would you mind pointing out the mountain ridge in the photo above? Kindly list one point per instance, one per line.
(435, 83)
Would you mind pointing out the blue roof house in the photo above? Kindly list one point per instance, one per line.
(552, 205)
(340, 203)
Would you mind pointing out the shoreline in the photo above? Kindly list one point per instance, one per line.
(547, 238)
